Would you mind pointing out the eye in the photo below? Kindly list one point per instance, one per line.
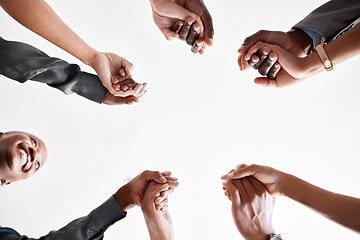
(37, 166)
(34, 142)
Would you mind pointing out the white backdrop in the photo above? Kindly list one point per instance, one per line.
(200, 117)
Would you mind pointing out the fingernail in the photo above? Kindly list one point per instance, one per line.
(230, 175)
(241, 47)
(197, 29)
(211, 40)
(162, 179)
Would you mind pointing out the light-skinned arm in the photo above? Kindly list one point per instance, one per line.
(339, 208)
(40, 18)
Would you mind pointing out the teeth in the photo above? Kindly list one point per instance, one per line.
(23, 156)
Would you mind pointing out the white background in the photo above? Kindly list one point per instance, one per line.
(200, 117)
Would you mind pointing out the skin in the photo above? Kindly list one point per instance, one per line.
(131, 194)
(252, 207)
(166, 13)
(295, 41)
(341, 209)
(12, 168)
(46, 23)
(295, 69)
(158, 222)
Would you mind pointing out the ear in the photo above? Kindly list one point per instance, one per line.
(4, 182)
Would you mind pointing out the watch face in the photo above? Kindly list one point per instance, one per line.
(275, 237)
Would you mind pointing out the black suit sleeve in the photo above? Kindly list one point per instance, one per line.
(90, 227)
(22, 62)
(331, 18)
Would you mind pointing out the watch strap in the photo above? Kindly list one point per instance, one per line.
(324, 57)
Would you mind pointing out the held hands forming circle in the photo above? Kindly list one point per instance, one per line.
(283, 58)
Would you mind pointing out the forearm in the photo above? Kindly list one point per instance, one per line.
(339, 208)
(90, 227)
(23, 62)
(339, 50)
(39, 17)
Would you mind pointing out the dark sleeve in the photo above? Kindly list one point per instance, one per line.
(22, 62)
(90, 227)
(331, 18)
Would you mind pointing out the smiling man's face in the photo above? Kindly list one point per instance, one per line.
(21, 155)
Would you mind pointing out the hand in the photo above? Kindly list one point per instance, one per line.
(159, 223)
(108, 67)
(125, 83)
(130, 194)
(271, 178)
(166, 13)
(252, 207)
(296, 42)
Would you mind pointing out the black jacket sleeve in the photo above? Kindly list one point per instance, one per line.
(22, 62)
(332, 18)
(90, 227)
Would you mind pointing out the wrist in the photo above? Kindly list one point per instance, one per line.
(123, 198)
(302, 40)
(90, 57)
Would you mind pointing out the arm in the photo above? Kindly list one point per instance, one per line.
(339, 208)
(22, 62)
(93, 226)
(38, 16)
(89, 227)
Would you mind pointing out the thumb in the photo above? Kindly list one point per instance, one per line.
(243, 172)
(169, 34)
(265, 82)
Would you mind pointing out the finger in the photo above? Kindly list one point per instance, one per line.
(239, 186)
(233, 191)
(263, 53)
(169, 35)
(137, 89)
(268, 63)
(142, 91)
(172, 184)
(194, 34)
(169, 178)
(198, 45)
(249, 188)
(225, 177)
(164, 209)
(129, 67)
(273, 71)
(253, 60)
(241, 165)
(110, 99)
(252, 50)
(258, 186)
(265, 82)
(177, 26)
(166, 173)
(209, 29)
(122, 72)
(202, 50)
(260, 36)
(185, 31)
(153, 175)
